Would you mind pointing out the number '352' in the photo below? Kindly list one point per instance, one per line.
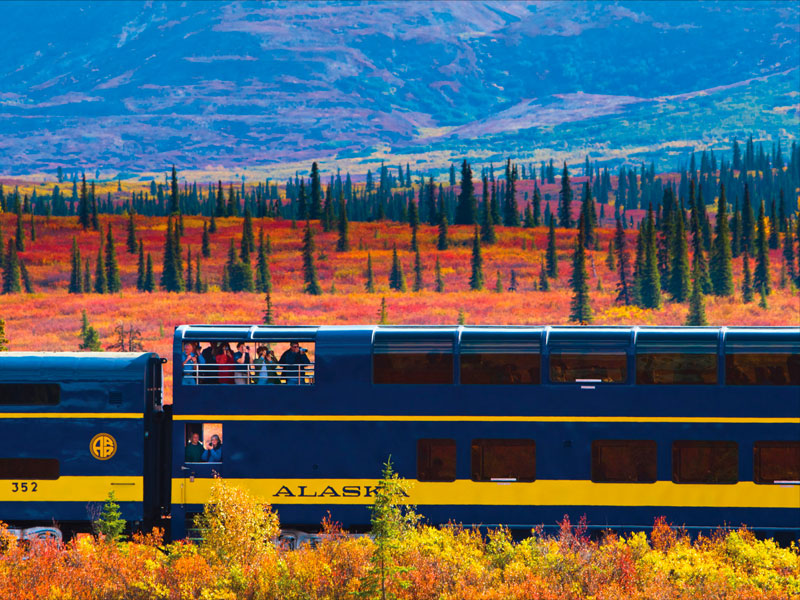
(23, 486)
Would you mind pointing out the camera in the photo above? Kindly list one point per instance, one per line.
(303, 350)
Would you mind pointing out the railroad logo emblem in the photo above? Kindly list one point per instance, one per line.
(103, 446)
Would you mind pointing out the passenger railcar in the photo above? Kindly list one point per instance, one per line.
(498, 425)
(77, 426)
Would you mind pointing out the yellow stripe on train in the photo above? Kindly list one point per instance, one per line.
(72, 489)
(538, 493)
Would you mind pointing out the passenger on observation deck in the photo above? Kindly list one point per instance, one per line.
(293, 360)
(242, 359)
(191, 358)
(208, 373)
(264, 361)
(224, 358)
(194, 449)
(214, 451)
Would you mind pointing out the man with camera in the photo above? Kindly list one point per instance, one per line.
(293, 360)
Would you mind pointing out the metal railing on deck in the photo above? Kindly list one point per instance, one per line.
(248, 374)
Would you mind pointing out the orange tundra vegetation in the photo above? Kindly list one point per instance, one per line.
(403, 559)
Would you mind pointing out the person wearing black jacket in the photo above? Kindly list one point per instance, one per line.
(241, 359)
(293, 360)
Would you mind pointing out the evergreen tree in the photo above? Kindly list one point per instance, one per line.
(580, 309)
(212, 226)
(132, 244)
(552, 257)
(443, 242)
(565, 200)
(476, 277)
(87, 277)
(75, 280)
(748, 223)
(697, 308)
(720, 269)
(511, 214)
(263, 275)
(174, 199)
(788, 255)
(678, 285)
(774, 227)
(316, 193)
(140, 270)
(611, 257)
(438, 276)
(172, 271)
(189, 274)
(588, 216)
(747, 280)
(761, 276)
(624, 295)
(112, 268)
(418, 285)
(537, 206)
(488, 235)
(199, 285)
(33, 227)
(11, 273)
(219, 207)
(239, 273)
(149, 276)
(205, 248)
(311, 285)
(100, 271)
(498, 284)
(467, 209)
(343, 243)
(90, 340)
(544, 281)
(110, 525)
(327, 210)
(84, 216)
(413, 221)
(651, 278)
(95, 219)
(762, 303)
(20, 234)
(698, 249)
(27, 285)
(248, 239)
(397, 280)
(369, 286)
(382, 318)
(268, 318)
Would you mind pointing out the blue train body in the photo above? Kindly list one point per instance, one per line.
(493, 425)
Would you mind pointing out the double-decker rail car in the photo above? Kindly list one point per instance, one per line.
(77, 426)
(494, 425)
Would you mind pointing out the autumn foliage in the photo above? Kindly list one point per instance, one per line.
(428, 563)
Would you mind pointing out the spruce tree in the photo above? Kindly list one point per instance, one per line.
(95, 220)
(678, 285)
(219, 207)
(774, 227)
(212, 226)
(84, 217)
(698, 247)
(189, 273)
(544, 281)
(20, 234)
(263, 275)
(140, 268)
(498, 284)
(761, 276)
(205, 247)
(269, 317)
(3, 339)
(697, 308)
(27, 284)
(75, 280)
(611, 257)
(537, 206)
(467, 208)
(788, 255)
(87, 277)
(316, 193)
(248, 239)
(327, 210)
(33, 227)
(476, 276)
(100, 271)
(552, 257)
(132, 244)
(762, 302)
(397, 279)
(488, 234)
(650, 276)
(174, 199)
(748, 223)
(443, 243)
(418, 285)
(11, 273)
(149, 276)
(369, 285)
(438, 276)
(343, 243)
(624, 294)
(747, 280)
(112, 268)
(199, 285)
(310, 278)
(580, 308)
(413, 221)
(565, 200)
(239, 273)
(510, 212)
(90, 340)
(587, 216)
(720, 269)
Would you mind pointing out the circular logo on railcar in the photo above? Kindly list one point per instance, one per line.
(103, 446)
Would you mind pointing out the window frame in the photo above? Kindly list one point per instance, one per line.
(53, 387)
(757, 447)
(52, 463)
(623, 442)
(715, 446)
(592, 381)
(429, 343)
(483, 443)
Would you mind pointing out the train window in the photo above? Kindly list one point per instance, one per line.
(774, 462)
(30, 394)
(705, 462)
(762, 368)
(676, 368)
(608, 367)
(624, 461)
(402, 357)
(492, 358)
(203, 443)
(436, 460)
(29, 468)
(248, 362)
(503, 460)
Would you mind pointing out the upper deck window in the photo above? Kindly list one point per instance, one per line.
(248, 362)
(758, 358)
(411, 357)
(500, 357)
(30, 394)
(572, 367)
(676, 362)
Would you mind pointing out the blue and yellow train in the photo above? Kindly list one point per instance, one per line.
(494, 425)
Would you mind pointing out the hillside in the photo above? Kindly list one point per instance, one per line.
(262, 89)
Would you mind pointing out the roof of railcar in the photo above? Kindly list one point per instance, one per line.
(64, 365)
